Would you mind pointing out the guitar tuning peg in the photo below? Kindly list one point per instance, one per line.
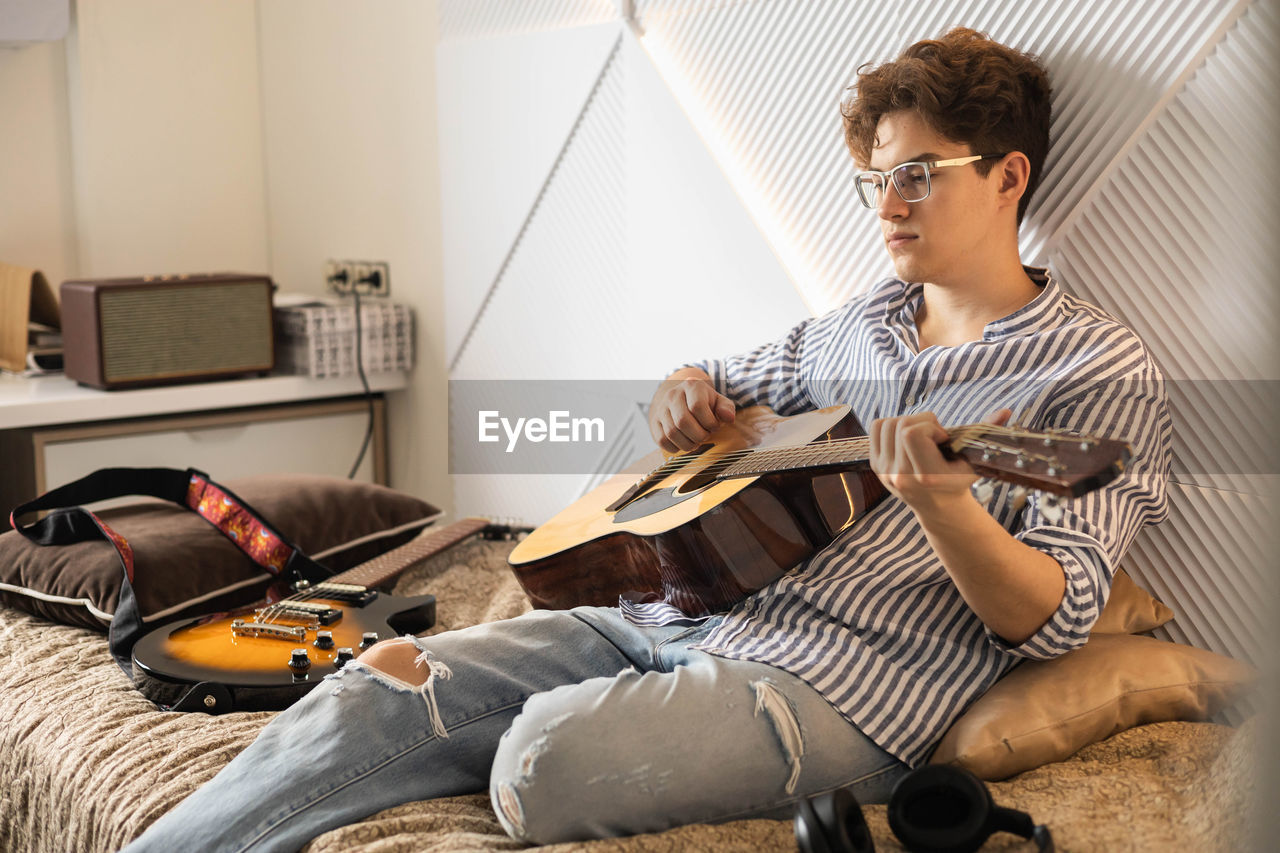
(1019, 497)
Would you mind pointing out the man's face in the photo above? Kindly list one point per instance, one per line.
(948, 234)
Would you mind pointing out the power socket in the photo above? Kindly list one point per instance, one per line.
(368, 278)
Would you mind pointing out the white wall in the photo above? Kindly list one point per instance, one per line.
(349, 118)
(207, 135)
(37, 210)
(166, 137)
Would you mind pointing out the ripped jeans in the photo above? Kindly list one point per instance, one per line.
(580, 724)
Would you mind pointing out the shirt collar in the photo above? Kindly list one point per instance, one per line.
(1041, 312)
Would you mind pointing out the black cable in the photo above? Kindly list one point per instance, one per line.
(368, 394)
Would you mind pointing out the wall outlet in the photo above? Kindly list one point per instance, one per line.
(368, 278)
(338, 276)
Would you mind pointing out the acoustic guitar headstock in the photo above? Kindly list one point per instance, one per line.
(1058, 463)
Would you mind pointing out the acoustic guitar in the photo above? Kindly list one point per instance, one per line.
(265, 657)
(701, 530)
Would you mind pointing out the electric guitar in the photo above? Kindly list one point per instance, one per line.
(267, 656)
(701, 530)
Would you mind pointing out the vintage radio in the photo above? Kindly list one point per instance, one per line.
(131, 332)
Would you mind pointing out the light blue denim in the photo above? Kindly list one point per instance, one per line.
(580, 724)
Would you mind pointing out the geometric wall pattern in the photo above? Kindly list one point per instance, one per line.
(681, 189)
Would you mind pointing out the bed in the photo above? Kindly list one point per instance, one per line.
(87, 764)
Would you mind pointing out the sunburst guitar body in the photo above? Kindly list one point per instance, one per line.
(268, 656)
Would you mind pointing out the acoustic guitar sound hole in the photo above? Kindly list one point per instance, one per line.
(669, 468)
(703, 478)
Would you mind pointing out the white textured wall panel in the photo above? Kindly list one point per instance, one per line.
(470, 19)
(556, 310)
(763, 82)
(766, 78)
(1173, 243)
(506, 107)
(702, 271)
(1208, 571)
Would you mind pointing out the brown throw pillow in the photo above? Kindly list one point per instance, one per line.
(1130, 609)
(184, 565)
(1045, 711)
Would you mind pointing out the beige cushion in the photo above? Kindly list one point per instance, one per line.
(1045, 711)
(1130, 609)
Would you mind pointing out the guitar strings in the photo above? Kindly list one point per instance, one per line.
(278, 610)
(859, 445)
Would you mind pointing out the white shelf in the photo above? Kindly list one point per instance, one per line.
(50, 400)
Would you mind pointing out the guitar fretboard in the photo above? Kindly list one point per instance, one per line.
(976, 442)
(384, 567)
(841, 452)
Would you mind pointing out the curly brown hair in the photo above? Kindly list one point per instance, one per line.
(966, 87)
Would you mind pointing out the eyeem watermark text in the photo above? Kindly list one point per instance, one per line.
(558, 427)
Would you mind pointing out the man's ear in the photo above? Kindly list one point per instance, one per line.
(1015, 171)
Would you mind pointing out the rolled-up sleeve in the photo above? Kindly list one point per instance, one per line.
(1089, 535)
(769, 375)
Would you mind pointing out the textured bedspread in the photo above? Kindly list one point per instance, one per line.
(86, 763)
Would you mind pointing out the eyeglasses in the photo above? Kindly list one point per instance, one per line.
(910, 179)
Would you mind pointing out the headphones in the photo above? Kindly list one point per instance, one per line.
(937, 808)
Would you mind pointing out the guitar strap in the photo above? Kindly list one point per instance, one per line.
(68, 522)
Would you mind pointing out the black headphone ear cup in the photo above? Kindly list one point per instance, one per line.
(940, 809)
(832, 823)
(810, 836)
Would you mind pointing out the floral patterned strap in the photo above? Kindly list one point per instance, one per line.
(221, 508)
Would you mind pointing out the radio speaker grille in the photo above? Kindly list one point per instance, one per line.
(185, 331)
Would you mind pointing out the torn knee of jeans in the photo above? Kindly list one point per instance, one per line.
(506, 802)
(536, 747)
(529, 758)
(782, 715)
(506, 793)
(437, 670)
(336, 683)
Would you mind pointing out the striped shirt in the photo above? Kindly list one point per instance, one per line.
(873, 621)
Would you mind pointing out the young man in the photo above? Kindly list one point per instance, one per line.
(846, 671)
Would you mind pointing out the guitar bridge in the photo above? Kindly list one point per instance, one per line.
(246, 628)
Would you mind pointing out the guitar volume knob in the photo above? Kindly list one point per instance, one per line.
(368, 639)
(344, 654)
(324, 640)
(299, 663)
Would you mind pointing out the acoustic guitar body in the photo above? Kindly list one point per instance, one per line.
(701, 530)
(696, 543)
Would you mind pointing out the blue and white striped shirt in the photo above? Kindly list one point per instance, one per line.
(873, 621)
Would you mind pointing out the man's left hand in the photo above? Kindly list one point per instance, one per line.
(906, 457)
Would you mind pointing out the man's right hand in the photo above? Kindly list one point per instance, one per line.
(686, 409)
